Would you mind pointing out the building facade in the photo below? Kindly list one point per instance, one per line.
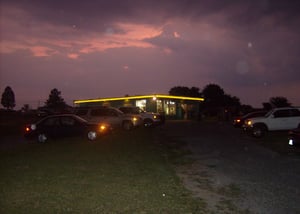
(173, 107)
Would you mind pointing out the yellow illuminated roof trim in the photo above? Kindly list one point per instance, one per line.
(138, 97)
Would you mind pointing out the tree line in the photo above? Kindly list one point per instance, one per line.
(54, 101)
(215, 100)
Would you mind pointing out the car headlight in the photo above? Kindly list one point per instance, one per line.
(248, 122)
(33, 127)
(102, 128)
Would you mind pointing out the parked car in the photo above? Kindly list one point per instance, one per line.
(239, 121)
(277, 119)
(65, 125)
(109, 115)
(149, 118)
(294, 139)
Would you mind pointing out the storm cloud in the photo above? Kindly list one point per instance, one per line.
(112, 48)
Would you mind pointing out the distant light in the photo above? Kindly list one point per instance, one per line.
(250, 45)
(291, 142)
(154, 98)
(125, 67)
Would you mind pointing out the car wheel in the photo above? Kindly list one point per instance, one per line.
(148, 123)
(42, 138)
(127, 125)
(92, 135)
(258, 131)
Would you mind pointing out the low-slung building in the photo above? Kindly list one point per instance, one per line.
(175, 107)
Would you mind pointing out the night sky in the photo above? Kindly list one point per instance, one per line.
(91, 49)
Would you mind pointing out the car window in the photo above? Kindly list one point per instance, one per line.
(98, 112)
(67, 121)
(112, 112)
(125, 110)
(295, 113)
(130, 110)
(282, 113)
(81, 112)
(52, 121)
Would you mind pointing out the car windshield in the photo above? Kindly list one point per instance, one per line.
(80, 119)
(130, 110)
(255, 114)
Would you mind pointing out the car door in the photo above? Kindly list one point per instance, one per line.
(97, 115)
(50, 126)
(294, 119)
(281, 120)
(70, 126)
(113, 117)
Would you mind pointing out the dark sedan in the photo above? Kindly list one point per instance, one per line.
(66, 125)
(294, 139)
(239, 121)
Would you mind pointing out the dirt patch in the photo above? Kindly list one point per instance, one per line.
(229, 171)
(219, 192)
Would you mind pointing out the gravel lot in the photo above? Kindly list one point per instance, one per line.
(231, 173)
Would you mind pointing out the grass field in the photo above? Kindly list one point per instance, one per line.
(121, 173)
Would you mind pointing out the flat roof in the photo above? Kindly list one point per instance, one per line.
(153, 96)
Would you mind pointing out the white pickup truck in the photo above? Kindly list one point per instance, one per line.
(284, 118)
(150, 119)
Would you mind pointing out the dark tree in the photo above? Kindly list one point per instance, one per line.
(231, 100)
(185, 91)
(55, 101)
(213, 95)
(279, 102)
(8, 98)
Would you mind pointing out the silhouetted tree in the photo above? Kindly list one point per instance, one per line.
(213, 98)
(231, 100)
(213, 95)
(185, 91)
(279, 102)
(55, 101)
(8, 98)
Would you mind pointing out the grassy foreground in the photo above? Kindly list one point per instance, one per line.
(121, 173)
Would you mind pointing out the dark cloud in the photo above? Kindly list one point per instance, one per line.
(82, 47)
